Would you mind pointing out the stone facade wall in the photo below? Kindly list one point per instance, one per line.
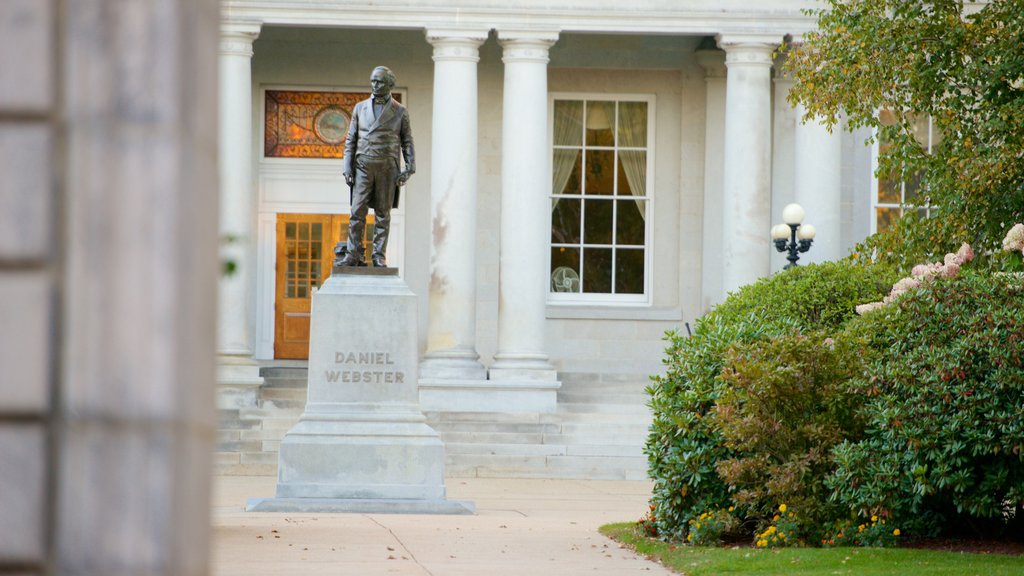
(108, 270)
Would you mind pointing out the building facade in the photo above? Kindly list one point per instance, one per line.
(590, 176)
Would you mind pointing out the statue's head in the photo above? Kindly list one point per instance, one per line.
(382, 80)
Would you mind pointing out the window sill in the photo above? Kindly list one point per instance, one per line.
(612, 312)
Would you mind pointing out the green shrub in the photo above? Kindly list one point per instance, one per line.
(708, 528)
(685, 442)
(944, 406)
(787, 403)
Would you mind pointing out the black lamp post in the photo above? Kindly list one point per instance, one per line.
(792, 236)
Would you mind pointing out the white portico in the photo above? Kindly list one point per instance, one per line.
(588, 178)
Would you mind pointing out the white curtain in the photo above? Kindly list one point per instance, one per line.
(568, 132)
(633, 134)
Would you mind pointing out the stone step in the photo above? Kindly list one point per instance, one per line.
(291, 395)
(270, 413)
(492, 427)
(515, 417)
(284, 377)
(597, 439)
(592, 397)
(514, 450)
(593, 408)
(501, 466)
(492, 437)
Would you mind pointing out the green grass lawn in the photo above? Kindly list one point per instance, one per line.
(701, 561)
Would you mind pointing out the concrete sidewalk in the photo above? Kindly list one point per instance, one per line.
(522, 527)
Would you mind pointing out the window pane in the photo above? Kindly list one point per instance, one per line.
(912, 188)
(303, 250)
(289, 230)
(886, 217)
(314, 272)
(597, 270)
(568, 122)
(633, 124)
(921, 126)
(565, 270)
(629, 272)
(303, 231)
(566, 173)
(597, 218)
(632, 173)
(317, 231)
(600, 177)
(888, 190)
(565, 221)
(630, 225)
(600, 119)
(314, 251)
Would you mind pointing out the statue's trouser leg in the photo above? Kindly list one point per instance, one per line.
(362, 193)
(383, 196)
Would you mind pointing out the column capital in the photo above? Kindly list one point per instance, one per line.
(713, 62)
(456, 44)
(748, 49)
(236, 37)
(526, 45)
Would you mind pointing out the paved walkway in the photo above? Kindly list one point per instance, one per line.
(522, 528)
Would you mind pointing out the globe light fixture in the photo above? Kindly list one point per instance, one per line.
(793, 236)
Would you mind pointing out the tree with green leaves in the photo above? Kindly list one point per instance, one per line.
(959, 63)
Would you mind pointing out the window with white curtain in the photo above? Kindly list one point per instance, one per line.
(600, 204)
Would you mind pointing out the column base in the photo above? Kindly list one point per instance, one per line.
(522, 367)
(238, 382)
(457, 364)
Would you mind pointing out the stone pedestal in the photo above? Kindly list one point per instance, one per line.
(362, 443)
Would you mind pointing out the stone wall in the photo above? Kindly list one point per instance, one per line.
(108, 271)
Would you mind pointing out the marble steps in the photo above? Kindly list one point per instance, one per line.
(597, 431)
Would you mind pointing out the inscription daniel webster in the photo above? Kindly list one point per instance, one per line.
(365, 368)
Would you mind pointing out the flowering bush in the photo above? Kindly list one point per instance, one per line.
(922, 273)
(786, 404)
(708, 528)
(685, 442)
(942, 392)
(782, 531)
(1013, 246)
(874, 533)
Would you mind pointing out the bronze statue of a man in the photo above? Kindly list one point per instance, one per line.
(378, 134)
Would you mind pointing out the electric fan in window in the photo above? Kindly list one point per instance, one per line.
(565, 279)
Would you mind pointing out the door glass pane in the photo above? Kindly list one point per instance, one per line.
(318, 231)
(289, 230)
(303, 231)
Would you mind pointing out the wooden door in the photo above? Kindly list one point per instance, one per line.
(305, 254)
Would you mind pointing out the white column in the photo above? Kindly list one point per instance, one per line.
(818, 186)
(713, 62)
(236, 187)
(746, 218)
(451, 331)
(525, 208)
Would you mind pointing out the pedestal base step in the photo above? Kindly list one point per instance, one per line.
(360, 506)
